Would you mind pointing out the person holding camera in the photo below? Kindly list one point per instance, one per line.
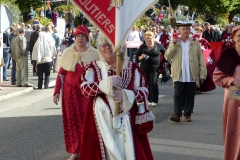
(149, 56)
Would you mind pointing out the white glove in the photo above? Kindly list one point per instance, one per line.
(118, 96)
(117, 81)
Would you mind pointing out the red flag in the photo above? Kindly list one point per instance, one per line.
(114, 17)
(217, 48)
(209, 59)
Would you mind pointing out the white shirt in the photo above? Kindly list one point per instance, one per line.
(42, 13)
(186, 75)
(158, 37)
(193, 30)
(133, 36)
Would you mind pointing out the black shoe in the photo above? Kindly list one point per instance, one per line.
(13, 83)
(46, 87)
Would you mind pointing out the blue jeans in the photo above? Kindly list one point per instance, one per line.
(6, 61)
(72, 24)
(132, 51)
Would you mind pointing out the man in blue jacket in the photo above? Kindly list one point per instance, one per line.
(31, 14)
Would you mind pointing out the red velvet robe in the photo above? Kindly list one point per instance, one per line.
(73, 107)
(92, 146)
(209, 59)
(165, 40)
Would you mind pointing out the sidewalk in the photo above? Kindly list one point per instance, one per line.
(9, 91)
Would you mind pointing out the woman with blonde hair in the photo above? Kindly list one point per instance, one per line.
(148, 54)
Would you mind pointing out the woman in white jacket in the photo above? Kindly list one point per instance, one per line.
(43, 51)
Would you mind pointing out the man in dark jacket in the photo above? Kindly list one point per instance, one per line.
(33, 38)
(49, 13)
(210, 34)
(6, 45)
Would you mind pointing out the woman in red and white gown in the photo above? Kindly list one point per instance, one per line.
(72, 64)
(105, 136)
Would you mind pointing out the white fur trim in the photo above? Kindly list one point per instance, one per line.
(71, 57)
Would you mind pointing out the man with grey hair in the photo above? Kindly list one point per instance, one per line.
(57, 39)
(19, 46)
(33, 38)
(159, 33)
(209, 34)
(43, 51)
(188, 67)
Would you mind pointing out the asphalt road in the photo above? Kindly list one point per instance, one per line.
(31, 128)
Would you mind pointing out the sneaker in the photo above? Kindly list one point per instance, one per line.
(187, 119)
(154, 104)
(175, 118)
(149, 103)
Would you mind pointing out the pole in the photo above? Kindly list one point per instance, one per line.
(118, 69)
(1, 56)
(44, 8)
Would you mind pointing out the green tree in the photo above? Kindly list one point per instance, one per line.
(215, 7)
(14, 8)
(24, 5)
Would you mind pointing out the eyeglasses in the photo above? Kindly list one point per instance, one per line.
(105, 45)
(148, 39)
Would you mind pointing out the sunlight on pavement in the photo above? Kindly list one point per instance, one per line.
(186, 148)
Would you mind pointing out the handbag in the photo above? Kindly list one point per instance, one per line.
(165, 75)
(2, 64)
(234, 93)
(144, 118)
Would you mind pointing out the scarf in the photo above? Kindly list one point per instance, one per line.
(228, 61)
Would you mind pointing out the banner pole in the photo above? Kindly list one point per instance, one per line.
(118, 69)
